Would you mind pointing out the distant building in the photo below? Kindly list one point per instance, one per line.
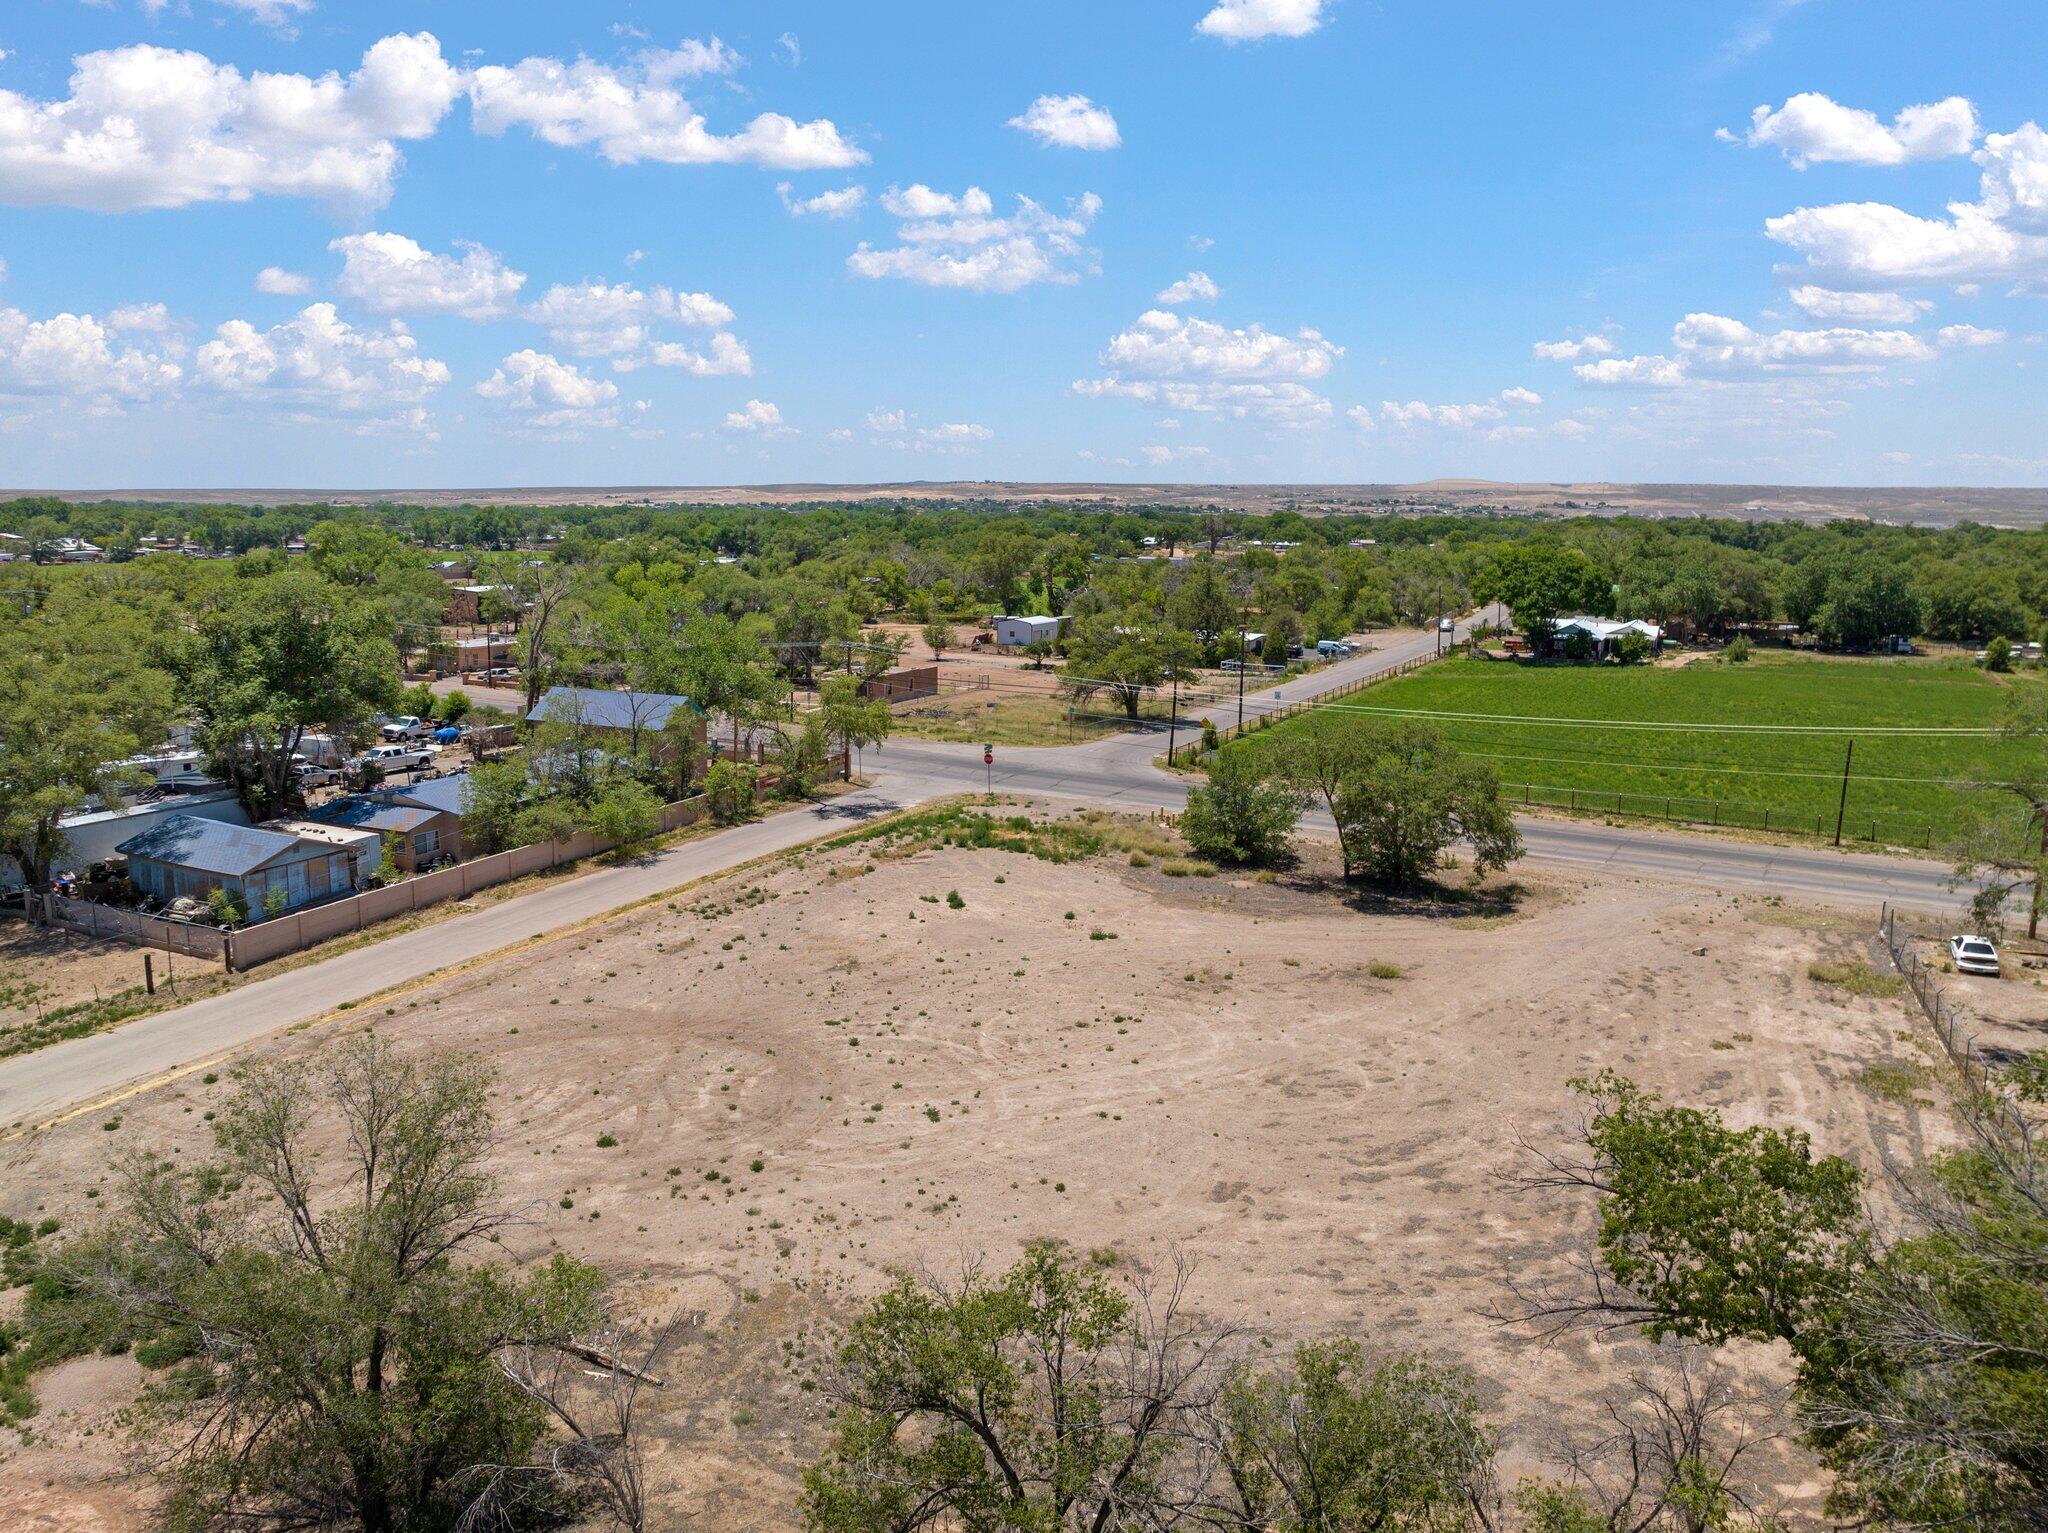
(1601, 632)
(1022, 632)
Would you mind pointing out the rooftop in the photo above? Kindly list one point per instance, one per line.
(599, 709)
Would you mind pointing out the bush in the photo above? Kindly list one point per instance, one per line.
(1738, 649)
(1240, 816)
(1998, 654)
(729, 787)
(1210, 739)
(627, 814)
(223, 907)
(800, 761)
(1631, 648)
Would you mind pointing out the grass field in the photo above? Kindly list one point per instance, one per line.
(1557, 735)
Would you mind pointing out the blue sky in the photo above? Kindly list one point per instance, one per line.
(353, 243)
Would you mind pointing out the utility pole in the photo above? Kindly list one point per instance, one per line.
(1240, 675)
(1842, 808)
(1172, 718)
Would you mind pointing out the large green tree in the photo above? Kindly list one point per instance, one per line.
(76, 695)
(1126, 654)
(269, 660)
(1401, 795)
(360, 1355)
(1541, 582)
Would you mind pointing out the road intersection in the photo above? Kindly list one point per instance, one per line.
(1119, 772)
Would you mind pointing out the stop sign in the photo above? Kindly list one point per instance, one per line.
(988, 755)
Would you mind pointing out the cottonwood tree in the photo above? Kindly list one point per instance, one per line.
(1666, 1451)
(541, 589)
(76, 697)
(851, 721)
(269, 660)
(1126, 654)
(1920, 1345)
(355, 1344)
(938, 637)
(1541, 582)
(1242, 814)
(1337, 1440)
(1048, 1397)
(723, 669)
(2000, 844)
(1401, 796)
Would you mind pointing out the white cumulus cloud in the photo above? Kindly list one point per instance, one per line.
(957, 241)
(1239, 21)
(79, 356)
(758, 416)
(2001, 237)
(280, 283)
(1812, 129)
(551, 394)
(318, 359)
(623, 322)
(391, 274)
(635, 113)
(843, 203)
(1860, 308)
(148, 127)
(1195, 287)
(1967, 335)
(1069, 122)
(1198, 365)
(1573, 351)
(1713, 347)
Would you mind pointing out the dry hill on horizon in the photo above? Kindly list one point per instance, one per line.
(1921, 505)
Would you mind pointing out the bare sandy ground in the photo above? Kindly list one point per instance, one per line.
(1091, 1050)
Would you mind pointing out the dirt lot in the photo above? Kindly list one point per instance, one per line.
(1092, 1050)
(42, 969)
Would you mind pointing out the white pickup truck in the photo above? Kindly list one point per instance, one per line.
(396, 758)
(407, 727)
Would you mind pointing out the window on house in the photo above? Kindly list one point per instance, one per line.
(426, 843)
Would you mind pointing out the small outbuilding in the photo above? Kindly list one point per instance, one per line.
(1023, 632)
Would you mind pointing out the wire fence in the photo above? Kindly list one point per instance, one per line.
(1274, 714)
(1675, 809)
(1950, 1023)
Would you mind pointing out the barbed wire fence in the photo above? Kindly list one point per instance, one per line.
(1950, 1021)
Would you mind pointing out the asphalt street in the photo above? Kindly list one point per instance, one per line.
(1117, 773)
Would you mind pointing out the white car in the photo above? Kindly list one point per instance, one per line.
(311, 776)
(409, 727)
(1974, 955)
(1446, 625)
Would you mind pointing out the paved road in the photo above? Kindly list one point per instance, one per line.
(1116, 772)
(35, 1087)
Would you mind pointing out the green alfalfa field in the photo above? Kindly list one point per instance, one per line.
(1559, 734)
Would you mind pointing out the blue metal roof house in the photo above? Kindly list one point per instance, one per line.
(186, 856)
(595, 708)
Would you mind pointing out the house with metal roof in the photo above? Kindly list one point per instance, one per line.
(185, 856)
(630, 723)
(415, 833)
(1599, 634)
